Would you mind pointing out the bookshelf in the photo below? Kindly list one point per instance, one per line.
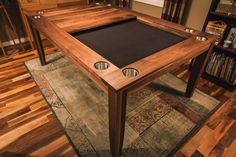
(226, 50)
(221, 15)
(221, 68)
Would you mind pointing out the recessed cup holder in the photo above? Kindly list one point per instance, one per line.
(201, 38)
(130, 72)
(101, 65)
(36, 16)
(40, 12)
(198, 38)
(204, 39)
(189, 30)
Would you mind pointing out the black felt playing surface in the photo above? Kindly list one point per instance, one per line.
(127, 42)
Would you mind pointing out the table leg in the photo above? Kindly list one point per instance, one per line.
(117, 111)
(39, 46)
(196, 71)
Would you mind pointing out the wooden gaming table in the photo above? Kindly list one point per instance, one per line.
(121, 51)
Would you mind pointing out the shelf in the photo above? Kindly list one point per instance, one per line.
(230, 52)
(218, 81)
(227, 50)
(232, 17)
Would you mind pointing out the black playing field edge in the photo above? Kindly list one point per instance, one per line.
(127, 42)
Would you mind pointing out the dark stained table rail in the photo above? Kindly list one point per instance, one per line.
(61, 25)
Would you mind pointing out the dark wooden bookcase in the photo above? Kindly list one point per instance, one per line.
(230, 20)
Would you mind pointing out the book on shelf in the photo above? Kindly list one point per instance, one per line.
(233, 77)
(216, 28)
(226, 7)
(232, 37)
(222, 66)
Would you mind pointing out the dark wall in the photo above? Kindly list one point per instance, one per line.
(14, 13)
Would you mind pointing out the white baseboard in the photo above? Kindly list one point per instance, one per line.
(10, 42)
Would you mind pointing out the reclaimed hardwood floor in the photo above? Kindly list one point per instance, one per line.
(27, 125)
(29, 128)
(217, 137)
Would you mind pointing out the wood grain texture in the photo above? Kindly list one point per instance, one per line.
(35, 5)
(57, 28)
(198, 68)
(27, 125)
(57, 24)
(13, 74)
(2, 48)
(216, 138)
(117, 112)
(37, 41)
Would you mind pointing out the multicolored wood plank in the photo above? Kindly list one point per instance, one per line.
(28, 127)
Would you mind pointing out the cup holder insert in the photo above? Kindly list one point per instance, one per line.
(130, 72)
(101, 65)
(189, 30)
(201, 38)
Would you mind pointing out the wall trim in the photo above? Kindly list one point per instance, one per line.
(10, 42)
(158, 3)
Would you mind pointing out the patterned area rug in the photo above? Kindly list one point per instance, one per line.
(159, 118)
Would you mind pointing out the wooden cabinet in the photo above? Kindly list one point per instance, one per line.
(66, 1)
(49, 2)
(31, 5)
(35, 5)
(25, 2)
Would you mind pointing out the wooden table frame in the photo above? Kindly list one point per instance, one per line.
(57, 28)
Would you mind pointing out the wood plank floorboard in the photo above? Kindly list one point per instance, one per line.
(216, 138)
(29, 128)
(27, 125)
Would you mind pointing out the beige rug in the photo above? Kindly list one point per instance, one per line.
(159, 118)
